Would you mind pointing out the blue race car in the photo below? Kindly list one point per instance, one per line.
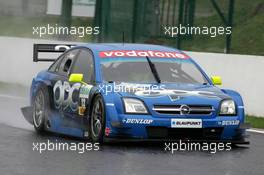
(131, 92)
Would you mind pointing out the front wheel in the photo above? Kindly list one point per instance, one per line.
(97, 121)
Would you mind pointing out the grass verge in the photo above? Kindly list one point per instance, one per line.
(256, 122)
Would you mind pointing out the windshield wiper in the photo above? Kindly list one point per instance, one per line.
(153, 70)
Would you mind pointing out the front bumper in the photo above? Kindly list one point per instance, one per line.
(149, 128)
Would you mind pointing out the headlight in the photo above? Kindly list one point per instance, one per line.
(228, 107)
(133, 105)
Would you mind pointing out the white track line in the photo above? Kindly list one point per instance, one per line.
(256, 131)
(13, 97)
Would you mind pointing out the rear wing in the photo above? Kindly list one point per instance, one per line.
(48, 51)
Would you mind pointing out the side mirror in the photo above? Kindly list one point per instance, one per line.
(76, 78)
(217, 80)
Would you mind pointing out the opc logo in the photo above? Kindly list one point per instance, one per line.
(64, 95)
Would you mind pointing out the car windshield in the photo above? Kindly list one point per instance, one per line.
(137, 70)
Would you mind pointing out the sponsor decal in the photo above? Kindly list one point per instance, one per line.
(137, 121)
(86, 134)
(110, 104)
(142, 53)
(107, 131)
(82, 107)
(85, 91)
(229, 122)
(84, 95)
(186, 123)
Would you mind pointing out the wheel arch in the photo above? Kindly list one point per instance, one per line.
(91, 103)
(42, 84)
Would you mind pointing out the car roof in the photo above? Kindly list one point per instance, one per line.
(127, 46)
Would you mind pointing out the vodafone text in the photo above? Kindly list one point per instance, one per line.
(142, 53)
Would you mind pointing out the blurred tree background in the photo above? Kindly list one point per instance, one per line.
(141, 21)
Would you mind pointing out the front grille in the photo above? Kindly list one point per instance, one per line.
(184, 133)
(177, 109)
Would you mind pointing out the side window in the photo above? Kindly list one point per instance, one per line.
(54, 67)
(85, 65)
(66, 63)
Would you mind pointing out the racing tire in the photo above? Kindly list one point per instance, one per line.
(40, 110)
(97, 120)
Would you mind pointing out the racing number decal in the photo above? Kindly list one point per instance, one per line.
(84, 96)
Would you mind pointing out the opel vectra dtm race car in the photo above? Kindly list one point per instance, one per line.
(131, 92)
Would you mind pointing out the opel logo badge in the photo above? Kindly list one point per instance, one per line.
(185, 110)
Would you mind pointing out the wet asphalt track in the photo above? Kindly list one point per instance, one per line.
(17, 155)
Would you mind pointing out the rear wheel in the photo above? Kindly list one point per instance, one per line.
(97, 121)
(40, 105)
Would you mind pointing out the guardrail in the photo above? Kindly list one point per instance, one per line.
(243, 73)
